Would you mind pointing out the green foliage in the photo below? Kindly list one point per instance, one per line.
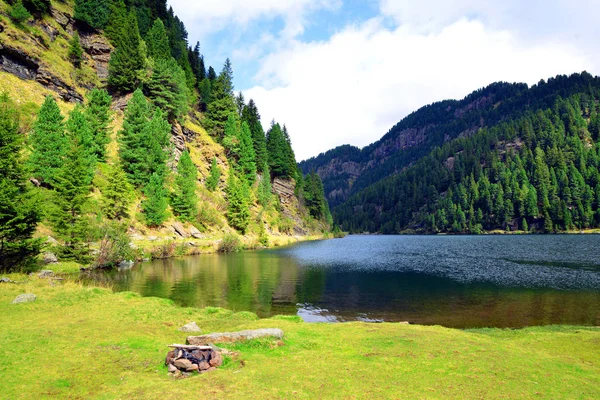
(222, 104)
(143, 141)
(231, 243)
(214, 176)
(238, 202)
(116, 27)
(18, 12)
(155, 205)
(93, 13)
(157, 42)
(98, 115)
(185, 200)
(37, 7)
(128, 61)
(280, 155)
(75, 50)
(48, 143)
(18, 207)
(114, 245)
(117, 194)
(167, 87)
(246, 158)
(314, 197)
(79, 131)
(251, 116)
(264, 188)
(70, 198)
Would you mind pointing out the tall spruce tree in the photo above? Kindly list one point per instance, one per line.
(157, 42)
(19, 213)
(98, 115)
(116, 27)
(127, 62)
(155, 205)
(222, 103)
(70, 199)
(238, 202)
(278, 150)
(251, 116)
(185, 200)
(93, 13)
(79, 131)
(264, 194)
(214, 176)
(246, 158)
(48, 142)
(167, 88)
(75, 50)
(117, 194)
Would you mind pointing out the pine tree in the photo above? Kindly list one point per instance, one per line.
(75, 50)
(167, 88)
(157, 42)
(246, 157)
(117, 194)
(79, 131)
(214, 176)
(49, 143)
(19, 213)
(71, 194)
(132, 148)
(251, 116)
(127, 62)
(264, 188)
(185, 200)
(156, 142)
(278, 153)
(93, 13)
(116, 27)
(222, 103)
(98, 115)
(155, 204)
(238, 202)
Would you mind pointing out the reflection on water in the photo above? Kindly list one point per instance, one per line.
(508, 281)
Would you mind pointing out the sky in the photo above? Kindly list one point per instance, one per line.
(345, 71)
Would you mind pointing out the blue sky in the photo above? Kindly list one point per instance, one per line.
(345, 71)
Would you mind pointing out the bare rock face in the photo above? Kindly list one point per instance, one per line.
(178, 139)
(196, 234)
(45, 274)
(66, 92)
(17, 62)
(284, 188)
(120, 102)
(99, 49)
(63, 19)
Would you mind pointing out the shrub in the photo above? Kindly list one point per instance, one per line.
(230, 243)
(18, 12)
(114, 245)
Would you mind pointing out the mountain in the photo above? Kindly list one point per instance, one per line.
(124, 144)
(492, 141)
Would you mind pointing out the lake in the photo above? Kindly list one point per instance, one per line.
(454, 281)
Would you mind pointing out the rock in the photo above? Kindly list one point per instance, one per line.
(100, 50)
(211, 369)
(45, 274)
(182, 364)
(63, 19)
(193, 368)
(35, 182)
(216, 360)
(50, 258)
(234, 336)
(5, 280)
(126, 264)
(171, 368)
(196, 234)
(152, 238)
(66, 92)
(203, 366)
(180, 230)
(170, 357)
(120, 102)
(17, 62)
(191, 327)
(24, 298)
(50, 240)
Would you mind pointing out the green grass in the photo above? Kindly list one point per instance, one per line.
(77, 342)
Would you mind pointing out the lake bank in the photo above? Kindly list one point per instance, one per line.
(76, 341)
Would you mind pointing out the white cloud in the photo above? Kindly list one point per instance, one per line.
(353, 87)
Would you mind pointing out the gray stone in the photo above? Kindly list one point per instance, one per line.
(125, 264)
(51, 240)
(191, 327)
(180, 230)
(171, 368)
(50, 258)
(45, 274)
(24, 298)
(196, 234)
(5, 280)
(234, 336)
(152, 238)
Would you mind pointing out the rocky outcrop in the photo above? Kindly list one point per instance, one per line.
(284, 188)
(99, 49)
(178, 140)
(66, 92)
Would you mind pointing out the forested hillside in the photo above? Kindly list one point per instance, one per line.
(118, 142)
(531, 164)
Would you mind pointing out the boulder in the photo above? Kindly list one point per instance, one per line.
(5, 280)
(216, 359)
(224, 337)
(50, 258)
(24, 298)
(203, 366)
(182, 364)
(196, 234)
(180, 230)
(45, 274)
(50, 240)
(125, 264)
(191, 327)
(171, 368)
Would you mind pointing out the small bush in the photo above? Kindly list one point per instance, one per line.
(114, 245)
(230, 243)
(164, 250)
(18, 13)
(208, 217)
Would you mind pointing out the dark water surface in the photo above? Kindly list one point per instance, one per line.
(455, 281)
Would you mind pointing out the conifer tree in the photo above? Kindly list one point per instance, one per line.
(167, 87)
(155, 204)
(79, 131)
(117, 194)
(251, 116)
(279, 153)
(214, 176)
(18, 13)
(264, 188)
(93, 13)
(185, 200)
(132, 148)
(222, 103)
(127, 62)
(75, 50)
(157, 42)
(238, 202)
(156, 142)
(116, 27)
(19, 214)
(98, 115)
(246, 157)
(71, 194)
(48, 141)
